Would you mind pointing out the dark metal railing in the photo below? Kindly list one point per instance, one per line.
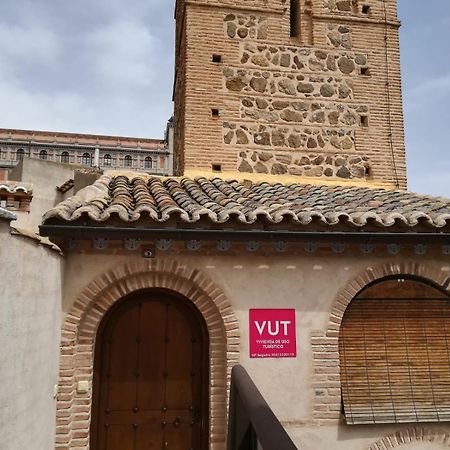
(252, 424)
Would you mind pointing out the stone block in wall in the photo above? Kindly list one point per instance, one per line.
(306, 164)
(358, 8)
(239, 26)
(341, 6)
(247, 81)
(304, 59)
(291, 137)
(302, 111)
(339, 36)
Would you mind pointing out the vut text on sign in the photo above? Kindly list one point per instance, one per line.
(272, 333)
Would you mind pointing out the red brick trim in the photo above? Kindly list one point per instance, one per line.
(80, 326)
(409, 435)
(325, 348)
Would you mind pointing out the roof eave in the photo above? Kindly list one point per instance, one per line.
(81, 232)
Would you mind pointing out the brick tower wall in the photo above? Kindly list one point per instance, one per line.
(251, 98)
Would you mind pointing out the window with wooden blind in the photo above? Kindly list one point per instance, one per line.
(394, 350)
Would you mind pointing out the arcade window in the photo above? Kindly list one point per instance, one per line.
(394, 348)
(86, 159)
(43, 154)
(107, 160)
(148, 162)
(128, 161)
(65, 157)
(20, 154)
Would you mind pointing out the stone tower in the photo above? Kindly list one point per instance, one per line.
(306, 88)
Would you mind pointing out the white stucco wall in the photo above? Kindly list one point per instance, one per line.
(30, 311)
(45, 177)
(308, 283)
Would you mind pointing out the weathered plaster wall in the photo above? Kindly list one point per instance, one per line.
(45, 176)
(310, 283)
(30, 315)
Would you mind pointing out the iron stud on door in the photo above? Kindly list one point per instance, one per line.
(177, 422)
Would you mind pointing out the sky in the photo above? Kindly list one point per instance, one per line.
(106, 67)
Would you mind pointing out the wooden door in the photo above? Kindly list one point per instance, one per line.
(151, 377)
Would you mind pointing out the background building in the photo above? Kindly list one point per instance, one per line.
(106, 152)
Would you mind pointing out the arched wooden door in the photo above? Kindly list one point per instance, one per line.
(150, 389)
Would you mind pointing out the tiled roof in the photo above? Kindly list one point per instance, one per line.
(156, 200)
(13, 187)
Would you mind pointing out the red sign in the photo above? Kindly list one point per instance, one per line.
(272, 333)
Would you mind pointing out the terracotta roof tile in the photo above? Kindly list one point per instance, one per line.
(13, 187)
(157, 200)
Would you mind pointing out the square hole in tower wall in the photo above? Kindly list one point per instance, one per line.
(364, 121)
(215, 112)
(216, 167)
(365, 71)
(217, 58)
(365, 9)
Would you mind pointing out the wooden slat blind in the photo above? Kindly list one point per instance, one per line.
(394, 352)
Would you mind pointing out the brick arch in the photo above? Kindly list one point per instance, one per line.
(325, 345)
(411, 435)
(80, 327)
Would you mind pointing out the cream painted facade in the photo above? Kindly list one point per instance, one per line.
(30, 314)
(48, 299)
(313, 285)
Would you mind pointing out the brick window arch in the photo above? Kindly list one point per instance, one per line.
(82, 320)
(325, 343)
(394, 350)
(410, 436)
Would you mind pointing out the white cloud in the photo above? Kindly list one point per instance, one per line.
(19, 44)
(89, 67)
(123, 53)
(435, 183)
(435, 86)
(38, 110)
